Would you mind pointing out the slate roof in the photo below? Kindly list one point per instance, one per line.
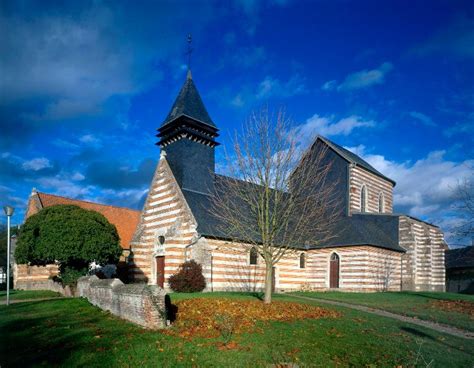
(379, 230)
(364, 229)
(460, 258)
(354, 159)
(189, 104)
(124, 219)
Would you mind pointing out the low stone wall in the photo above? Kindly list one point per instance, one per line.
(139, 303)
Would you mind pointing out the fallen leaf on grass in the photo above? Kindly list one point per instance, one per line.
(230, 346)
(199, 317)
(459, 306)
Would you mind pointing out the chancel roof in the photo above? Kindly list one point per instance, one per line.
(365, 229)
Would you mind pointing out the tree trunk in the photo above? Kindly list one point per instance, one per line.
(268, 282)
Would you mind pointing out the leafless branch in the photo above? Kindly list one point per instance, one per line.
(275, 200)
(463, 195)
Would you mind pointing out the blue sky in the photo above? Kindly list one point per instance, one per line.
(84, 85)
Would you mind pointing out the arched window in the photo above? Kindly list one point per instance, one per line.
(253, 256)
(334, 271)
(381, 203)
(302, 260)
(363, 199)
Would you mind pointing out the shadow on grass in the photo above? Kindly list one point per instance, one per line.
(48, 339)
(440, 340)
(435, 295)
(171, 309)
(255, 294)
(417, 332)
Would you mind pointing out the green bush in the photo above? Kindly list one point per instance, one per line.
(70, 235)
(188, 279)
(69, 275)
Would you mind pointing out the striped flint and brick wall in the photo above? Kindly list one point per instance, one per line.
(423, 264)
(165, 213)
(374, 186)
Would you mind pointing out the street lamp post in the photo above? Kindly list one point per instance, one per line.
(9, 212)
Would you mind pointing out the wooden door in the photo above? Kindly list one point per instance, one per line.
(160, 271)
(334, 271)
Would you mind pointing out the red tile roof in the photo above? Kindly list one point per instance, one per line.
(124, 219)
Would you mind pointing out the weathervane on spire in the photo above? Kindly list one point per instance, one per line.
(190, 51)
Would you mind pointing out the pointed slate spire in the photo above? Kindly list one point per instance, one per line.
(189, 104)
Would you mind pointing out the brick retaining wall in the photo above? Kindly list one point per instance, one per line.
(26, 277)
(139, 303)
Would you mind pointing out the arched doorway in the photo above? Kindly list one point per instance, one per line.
(334, 271)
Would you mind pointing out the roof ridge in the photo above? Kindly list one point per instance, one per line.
(344, 153)
(85, 201)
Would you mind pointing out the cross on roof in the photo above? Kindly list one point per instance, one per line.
(190, 50)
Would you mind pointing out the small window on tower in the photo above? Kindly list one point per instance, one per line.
(161, 239)
(253, 256)
(302, 260)
(381, 203)
(363, 199)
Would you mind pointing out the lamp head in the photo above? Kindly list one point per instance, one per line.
(8, 210)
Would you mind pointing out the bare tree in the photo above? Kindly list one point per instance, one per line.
(385, 273)
(277, 200)
(464, 205)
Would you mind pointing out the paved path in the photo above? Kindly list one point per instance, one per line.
(15, 301)
(428, 324)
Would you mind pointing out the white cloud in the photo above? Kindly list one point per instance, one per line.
(457, 38)
(90, 140)
(361, 79)
(465, 127)
(62, 143)
(425, 119)
(64, 186)
(36, 164)
(329, 85)
(237, 101)
(75, 60)
(69, 59)
(329, 126)
(425, 187)
(365, 78)
(246, 57)
(77, 177)
(273, 87)
(130, 198)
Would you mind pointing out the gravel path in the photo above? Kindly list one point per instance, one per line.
(428, 324)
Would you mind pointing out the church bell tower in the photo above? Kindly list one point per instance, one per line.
(188, 137)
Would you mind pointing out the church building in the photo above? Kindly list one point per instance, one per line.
(374, 250)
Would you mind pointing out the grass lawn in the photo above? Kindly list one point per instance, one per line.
(71, 332)
(28, 294)
(438, 307)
